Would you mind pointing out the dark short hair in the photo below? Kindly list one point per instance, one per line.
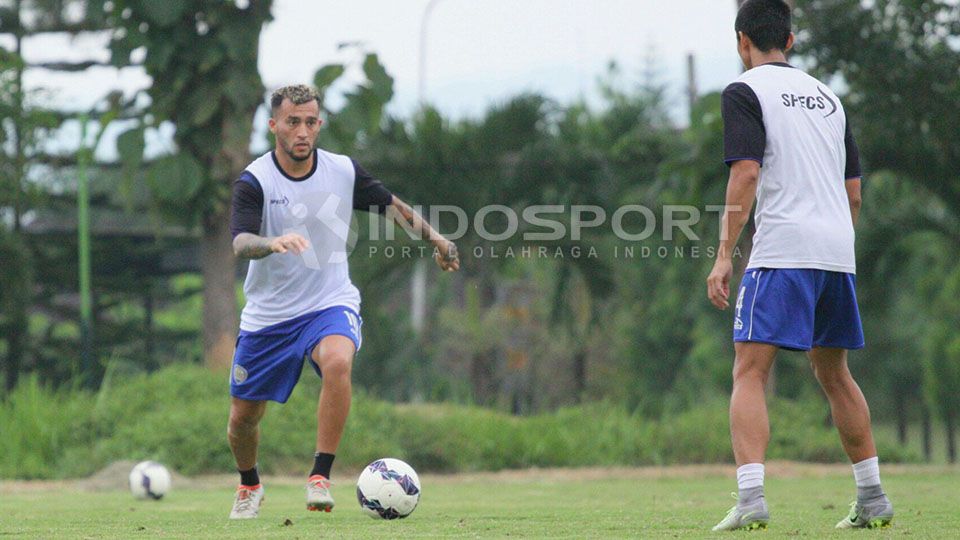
(298, 94)
(766, 23)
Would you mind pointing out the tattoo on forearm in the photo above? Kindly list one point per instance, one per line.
(406, 212)
(416, 223)
(251, 246)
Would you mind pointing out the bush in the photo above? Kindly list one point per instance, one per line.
(36, 425)
(178, 415)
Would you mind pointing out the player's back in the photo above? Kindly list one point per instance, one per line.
(803, 213)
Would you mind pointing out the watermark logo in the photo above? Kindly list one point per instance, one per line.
(555, 223)
(325, 220)
(502, 232)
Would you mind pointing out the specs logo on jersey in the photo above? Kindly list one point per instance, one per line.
(282, 202)
(812, 103)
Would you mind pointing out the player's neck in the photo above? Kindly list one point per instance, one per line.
(292, 167)
(758, 58)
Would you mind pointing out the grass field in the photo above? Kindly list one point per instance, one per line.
(805, 501)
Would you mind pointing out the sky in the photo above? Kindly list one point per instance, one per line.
(478, 52)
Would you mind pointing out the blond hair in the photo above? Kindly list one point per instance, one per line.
(298, 94)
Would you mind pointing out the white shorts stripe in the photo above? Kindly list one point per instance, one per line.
(753, 302)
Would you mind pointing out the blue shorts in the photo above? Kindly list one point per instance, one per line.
(798, 309)
(268, 362)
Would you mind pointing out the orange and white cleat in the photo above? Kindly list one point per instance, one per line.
(318, 494)
(248, 501)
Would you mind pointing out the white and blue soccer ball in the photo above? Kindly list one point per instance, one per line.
(149, 480)
(388, 489)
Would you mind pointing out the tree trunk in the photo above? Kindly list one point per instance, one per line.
(482, 374)
(149, 340)
(219, 266)
(580, 373)
(950, 424)
(16, 290)
(19, 158)
(925, 420)
(484, 367)
(901, 405)
(18, 327)
(16, 341)
(219, 294)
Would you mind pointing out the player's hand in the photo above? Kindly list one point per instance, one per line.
(292, 242)
(447, 256)
(718, 283)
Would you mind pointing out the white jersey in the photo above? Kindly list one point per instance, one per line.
(319, 207)
(797, 129)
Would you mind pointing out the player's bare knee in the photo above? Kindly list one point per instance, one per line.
(238, 430)
(831, 379)
(336, 365)
(239, 426)
(744, 371)
(243, 420)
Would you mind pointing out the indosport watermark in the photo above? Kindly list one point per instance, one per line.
(329, 224)
(556, 232)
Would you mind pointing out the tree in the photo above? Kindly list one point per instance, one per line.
(15, 296)
(942, 362)
(15, 285)
(24, 127)
(900, 69)
(508, 157)
(202, 56)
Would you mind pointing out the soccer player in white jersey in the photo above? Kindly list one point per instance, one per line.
(788, 144)
(291, 217)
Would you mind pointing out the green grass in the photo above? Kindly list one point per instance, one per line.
(614, 504)
(49, 432)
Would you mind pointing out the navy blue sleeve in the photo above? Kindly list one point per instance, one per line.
(744, 136)
(246, 208)
(852, 170)
(368, 192)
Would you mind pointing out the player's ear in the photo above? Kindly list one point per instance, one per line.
(790, 41)
(743, 42)
(272, 123)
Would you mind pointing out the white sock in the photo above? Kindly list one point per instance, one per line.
(750, 476)
(867, 472)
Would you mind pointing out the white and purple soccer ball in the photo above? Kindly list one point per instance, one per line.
(149, 480)
(388, 489)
